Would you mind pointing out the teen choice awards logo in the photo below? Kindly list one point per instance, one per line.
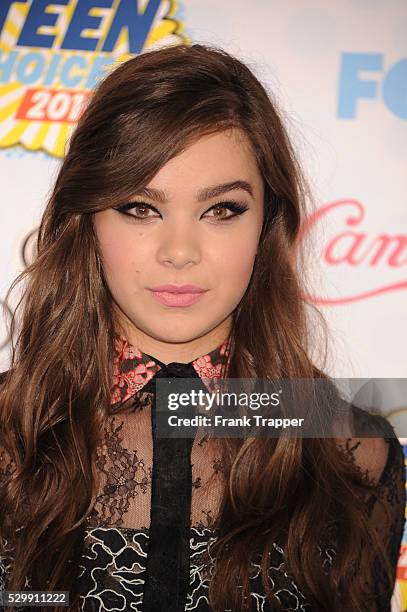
(53, 53)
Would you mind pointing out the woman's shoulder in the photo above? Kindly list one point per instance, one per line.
(372, 422)
(375, 448)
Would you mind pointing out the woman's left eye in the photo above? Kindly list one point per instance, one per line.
(235, 207)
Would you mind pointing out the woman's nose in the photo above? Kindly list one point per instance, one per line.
(179, 245)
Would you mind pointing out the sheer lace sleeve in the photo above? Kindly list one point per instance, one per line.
(381, 460)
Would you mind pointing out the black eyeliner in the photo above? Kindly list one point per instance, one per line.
(236, 207)
(130, 205)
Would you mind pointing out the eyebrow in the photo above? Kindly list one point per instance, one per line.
(203, 194)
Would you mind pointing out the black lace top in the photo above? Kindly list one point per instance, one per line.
(154, 516)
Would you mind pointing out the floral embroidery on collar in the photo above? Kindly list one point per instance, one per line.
(132, 369)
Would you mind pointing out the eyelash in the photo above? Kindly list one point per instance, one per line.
(236, 207)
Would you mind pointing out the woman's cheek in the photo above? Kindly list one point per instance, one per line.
(238, 263)
(121, 255)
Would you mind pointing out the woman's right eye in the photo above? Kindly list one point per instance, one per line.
(141, 210)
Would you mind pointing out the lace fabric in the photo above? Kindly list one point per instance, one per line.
(125, 542)
(381, 461)
(125, 465)
(125, 457)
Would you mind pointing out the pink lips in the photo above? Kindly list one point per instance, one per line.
(178, 296)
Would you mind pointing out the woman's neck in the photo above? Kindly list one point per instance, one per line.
(181, 352)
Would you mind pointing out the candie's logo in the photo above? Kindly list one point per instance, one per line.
(376, 263)
(53, 52)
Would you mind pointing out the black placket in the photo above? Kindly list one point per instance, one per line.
(167, 573)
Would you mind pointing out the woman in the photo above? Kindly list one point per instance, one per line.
(180, 173)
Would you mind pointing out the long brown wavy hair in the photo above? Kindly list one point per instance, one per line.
(56, 394)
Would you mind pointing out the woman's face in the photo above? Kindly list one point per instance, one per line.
(174, 234)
